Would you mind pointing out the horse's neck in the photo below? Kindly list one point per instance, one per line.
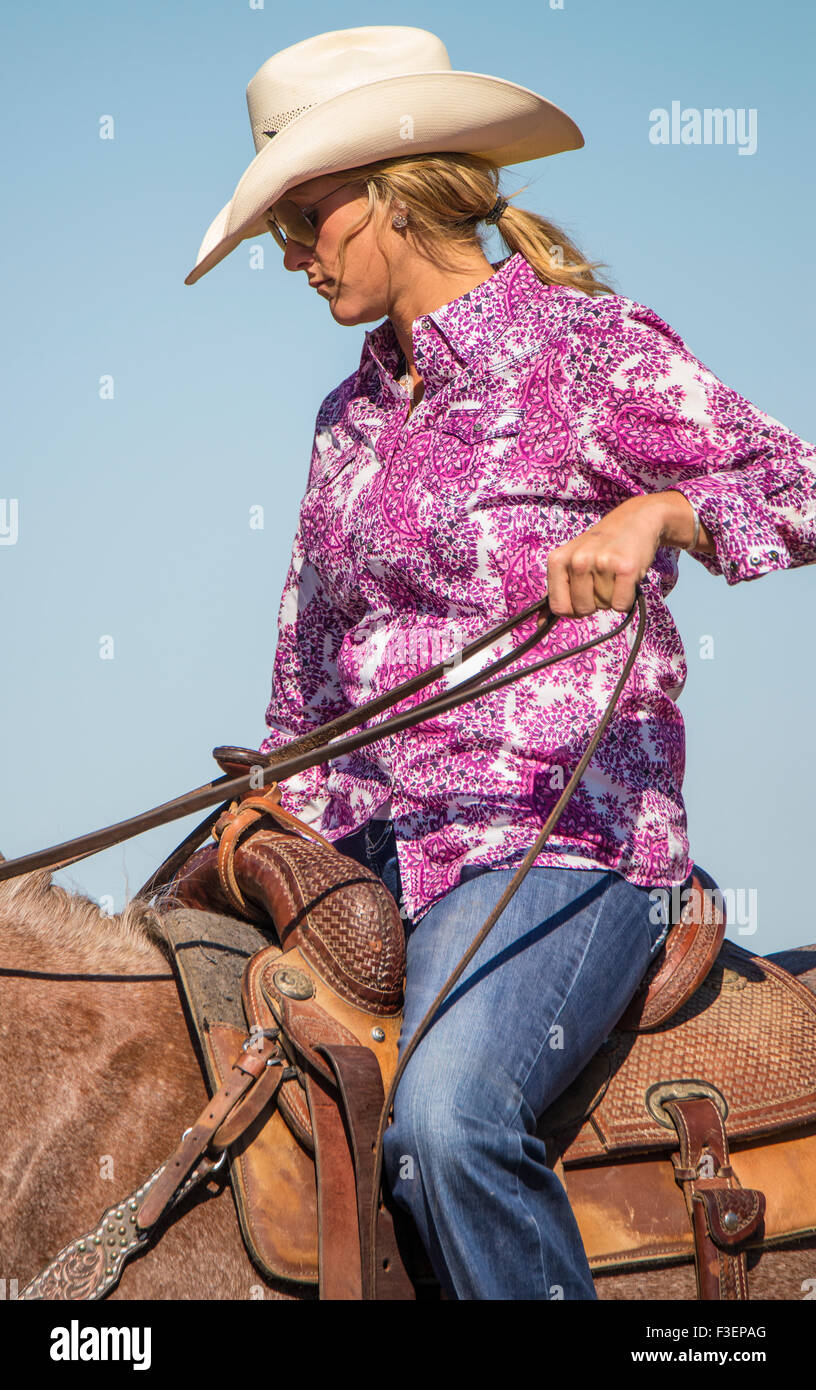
(98, 1079)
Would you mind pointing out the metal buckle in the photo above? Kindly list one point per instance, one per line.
(683, 1088)
(249, 1041)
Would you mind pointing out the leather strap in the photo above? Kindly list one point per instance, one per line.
(251, 1106)
(233, 825)
(338, 1243)
(249, 1065)
(359, 1081)
(90, 1266)
(723, 1214)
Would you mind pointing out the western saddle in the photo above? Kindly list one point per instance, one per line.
(690, 1135)
(685, 1137)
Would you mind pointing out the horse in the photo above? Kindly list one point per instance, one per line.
(100, 1077)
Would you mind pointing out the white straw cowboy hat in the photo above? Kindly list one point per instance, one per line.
(352, 96)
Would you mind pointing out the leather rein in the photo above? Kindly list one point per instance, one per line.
(320, 746)
(326, 743)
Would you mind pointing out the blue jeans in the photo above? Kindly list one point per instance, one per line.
(533, 1006)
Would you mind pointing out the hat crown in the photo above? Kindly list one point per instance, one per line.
(307, 73)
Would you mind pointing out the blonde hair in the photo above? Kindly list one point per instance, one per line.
(448, 195)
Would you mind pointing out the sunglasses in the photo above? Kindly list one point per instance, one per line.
(286, 220)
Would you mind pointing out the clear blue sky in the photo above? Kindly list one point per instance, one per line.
(134, 512)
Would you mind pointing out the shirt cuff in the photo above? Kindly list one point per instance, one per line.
(746, 542)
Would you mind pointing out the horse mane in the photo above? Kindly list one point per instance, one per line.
(45, 927)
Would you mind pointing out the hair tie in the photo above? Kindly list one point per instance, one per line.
(498, 208)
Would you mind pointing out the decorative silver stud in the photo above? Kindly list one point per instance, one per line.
(378, 1034)
(295, 984)
(730, 1221)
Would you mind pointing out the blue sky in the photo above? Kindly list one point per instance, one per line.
(134, 511)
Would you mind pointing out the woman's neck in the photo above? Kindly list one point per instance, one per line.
(429, 291)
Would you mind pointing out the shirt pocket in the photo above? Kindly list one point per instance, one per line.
(479, 424)
(336, 446)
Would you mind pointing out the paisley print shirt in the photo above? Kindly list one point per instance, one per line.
(543, 409)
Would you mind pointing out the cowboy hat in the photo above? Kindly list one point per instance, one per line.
(352, 96)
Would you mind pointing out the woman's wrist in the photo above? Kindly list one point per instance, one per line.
(680, 526)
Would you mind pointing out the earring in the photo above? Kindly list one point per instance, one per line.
(400, 218)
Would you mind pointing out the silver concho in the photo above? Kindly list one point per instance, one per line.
(295, 984)
(685, 1088)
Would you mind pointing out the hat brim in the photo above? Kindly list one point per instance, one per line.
(418, 113)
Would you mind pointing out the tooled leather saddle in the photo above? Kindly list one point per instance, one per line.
(667, 1142)
(713, 1058)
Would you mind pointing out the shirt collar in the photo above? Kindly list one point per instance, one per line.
(449, 338)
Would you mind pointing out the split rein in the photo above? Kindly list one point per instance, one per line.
(325, 743)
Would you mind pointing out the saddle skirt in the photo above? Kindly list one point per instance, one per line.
(745, 1038)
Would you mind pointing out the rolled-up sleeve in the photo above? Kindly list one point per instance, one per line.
(655, 416)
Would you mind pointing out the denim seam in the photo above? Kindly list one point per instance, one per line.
(517, 1112)
(600, 908)
(526, 1209)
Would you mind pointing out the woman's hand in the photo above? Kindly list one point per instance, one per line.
(600, 567)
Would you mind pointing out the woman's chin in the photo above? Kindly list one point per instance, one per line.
(343, 313)
(349, 315)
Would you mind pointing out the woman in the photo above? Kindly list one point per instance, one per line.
(513, 429)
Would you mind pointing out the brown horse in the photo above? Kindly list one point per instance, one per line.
(99, 1080)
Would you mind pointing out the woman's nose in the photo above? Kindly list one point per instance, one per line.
(297, 256)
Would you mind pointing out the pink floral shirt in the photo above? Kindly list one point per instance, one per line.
(543, 409)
